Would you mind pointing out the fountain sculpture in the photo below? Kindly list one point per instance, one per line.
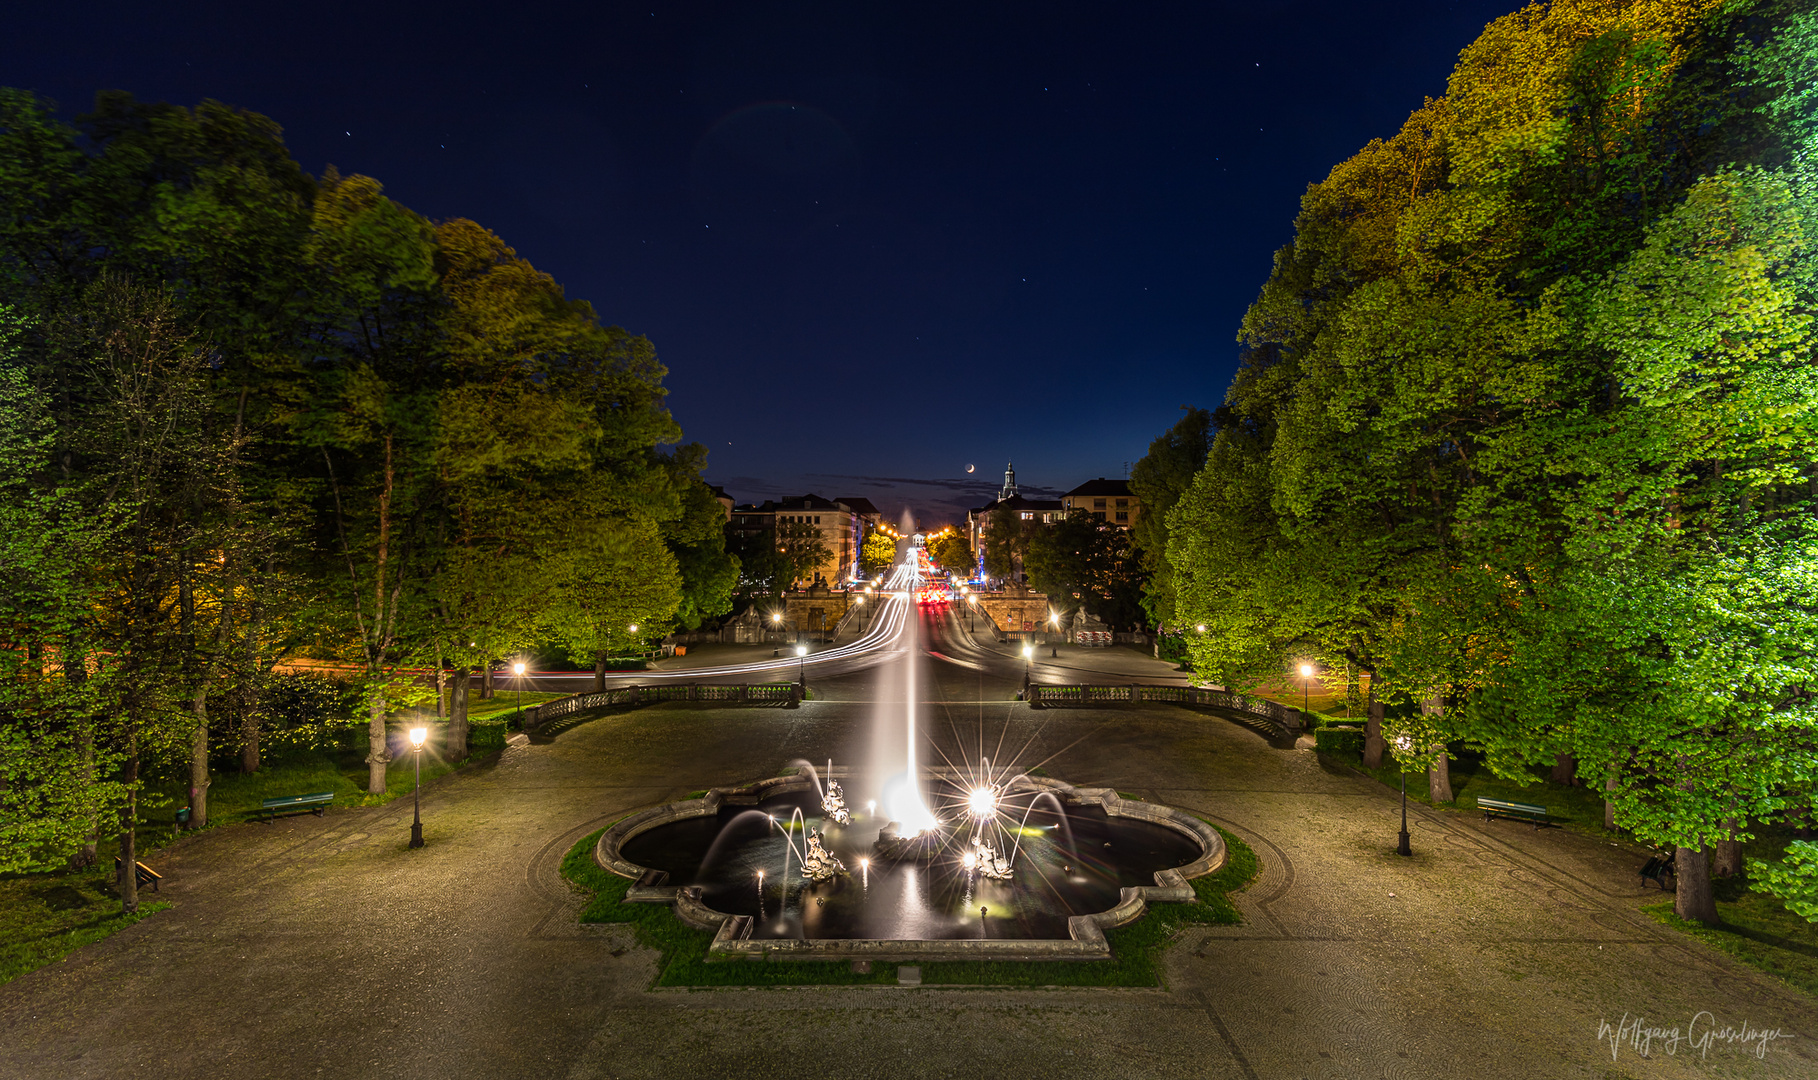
(818, 864)
(833, 804)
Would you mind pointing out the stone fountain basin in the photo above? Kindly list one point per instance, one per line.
(733, 933)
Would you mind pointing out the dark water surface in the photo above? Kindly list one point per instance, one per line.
(1064, 867)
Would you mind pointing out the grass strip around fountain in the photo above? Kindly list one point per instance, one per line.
(1136, 949)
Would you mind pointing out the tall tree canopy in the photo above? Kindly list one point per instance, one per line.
(1525, 428)
(405, 445)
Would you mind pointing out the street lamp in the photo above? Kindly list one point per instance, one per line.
(1053, 625)
(801, 651)
(518, 670)
(1306, 684)
(417, 737)
(1402, 745)
(1028, 660)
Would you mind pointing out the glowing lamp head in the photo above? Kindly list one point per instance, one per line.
(801, 650)
(1201, 628)
(633, 628)
(969, 859)
(1028, 652)
(1306, 671)
(776, 617)
(864, 864)
(982, 801)
(417, 737)
(1403, 743)
(517, 669)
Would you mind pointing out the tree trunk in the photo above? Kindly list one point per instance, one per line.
(1693, 900)
(1609, 804)
(249, 742)
(1729, 851)
(1565, 770)
(599, 672)
(1439, 777)
(378, 752)
(454, 740)
(198, 763)
(486, 682)
(1373, 741)
(129, 850)
(441, 685)
(77, 673)
(457, 701)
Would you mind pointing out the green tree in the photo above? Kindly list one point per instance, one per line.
(1158, 481)
(953, 553)
(876, 553)
(1082, 557)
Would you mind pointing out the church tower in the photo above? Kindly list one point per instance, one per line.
(1009, 491)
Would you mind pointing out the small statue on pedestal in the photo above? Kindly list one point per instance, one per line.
(819, 864)
(833, 804)
(988, 862)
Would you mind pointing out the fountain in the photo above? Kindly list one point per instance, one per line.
(1051, 864)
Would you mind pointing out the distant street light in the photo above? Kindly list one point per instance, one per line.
(417, 737)
(1306, 687)
(801, 651)
(1402, 745)
(518, 670)
(1028, 661)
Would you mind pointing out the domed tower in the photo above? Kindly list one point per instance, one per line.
(1009, 482)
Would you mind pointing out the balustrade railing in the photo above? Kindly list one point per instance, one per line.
(626, 696)
(1283, 717)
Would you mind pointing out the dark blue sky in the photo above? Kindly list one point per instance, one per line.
(874, 243)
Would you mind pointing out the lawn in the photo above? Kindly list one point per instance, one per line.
(1137, 948)
(1757, 930)
(45, 917)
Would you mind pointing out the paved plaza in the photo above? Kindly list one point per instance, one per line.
(326, 948)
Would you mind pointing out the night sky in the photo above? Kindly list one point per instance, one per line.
(874, 243)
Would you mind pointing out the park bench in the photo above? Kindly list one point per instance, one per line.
(1519, 811)
(1659, 867)
(313, 803)
(147, 876)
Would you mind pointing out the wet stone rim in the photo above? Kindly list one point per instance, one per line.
(732, 933)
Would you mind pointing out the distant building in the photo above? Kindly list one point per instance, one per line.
(842, 523)
(724, 499)
(1033, 511)
(1109, 501)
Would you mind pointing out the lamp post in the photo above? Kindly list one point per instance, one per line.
(1306, 688)
(518, 670)
(1028, 660)
(776, 625)
(801, 663)
(417, 737)
(1402, 744)
(1053, 625)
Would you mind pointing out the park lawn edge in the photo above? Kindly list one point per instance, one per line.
(1729, 940)
(1137, 948)
(20, 958)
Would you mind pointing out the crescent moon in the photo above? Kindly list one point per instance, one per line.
(968, 468)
